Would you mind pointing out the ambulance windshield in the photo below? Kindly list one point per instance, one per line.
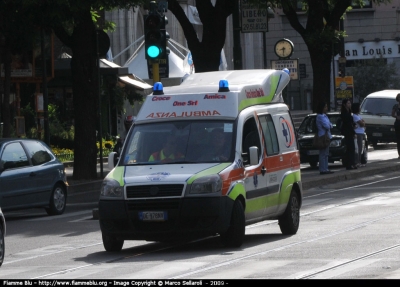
(179, 142)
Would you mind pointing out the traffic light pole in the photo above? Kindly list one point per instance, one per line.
(156, 71)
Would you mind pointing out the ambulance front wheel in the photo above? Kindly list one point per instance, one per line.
(234, 236)
(289, 221)
(112, 244)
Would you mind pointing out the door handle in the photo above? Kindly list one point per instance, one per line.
(263, 170)
(32, 174)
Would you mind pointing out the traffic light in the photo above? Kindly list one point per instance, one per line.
(155, 36)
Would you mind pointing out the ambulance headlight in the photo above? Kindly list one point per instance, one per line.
(111, 189)
(206, 184)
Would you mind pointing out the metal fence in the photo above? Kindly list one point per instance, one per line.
(63, 157)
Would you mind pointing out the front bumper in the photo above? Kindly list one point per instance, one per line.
(381, 133)
(335, 154)
(186, 218)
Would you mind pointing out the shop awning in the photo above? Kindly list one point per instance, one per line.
(138, 84)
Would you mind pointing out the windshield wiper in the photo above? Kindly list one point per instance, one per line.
(382, 114)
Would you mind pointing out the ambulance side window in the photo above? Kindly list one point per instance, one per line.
(250, 138)
(271, 140)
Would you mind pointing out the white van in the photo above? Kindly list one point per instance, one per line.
(173, 180)
(376, 110)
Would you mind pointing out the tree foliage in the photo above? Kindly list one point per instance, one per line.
(74, 23)
(373, 75)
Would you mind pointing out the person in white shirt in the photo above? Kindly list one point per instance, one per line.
(359, 128)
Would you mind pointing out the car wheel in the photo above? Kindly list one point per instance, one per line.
(364, 156)
(313, 163)
(58, 200)
(234, 236)
(2, 246)
(375, 144)
(289, 221)
(112, 244)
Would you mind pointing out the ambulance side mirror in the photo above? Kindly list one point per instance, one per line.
(253, 150)
(111, 157)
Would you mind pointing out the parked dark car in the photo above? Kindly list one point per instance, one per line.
(337, 148)
(31, 176)
(2, 235)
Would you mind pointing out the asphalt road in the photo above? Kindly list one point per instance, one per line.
(348, 230)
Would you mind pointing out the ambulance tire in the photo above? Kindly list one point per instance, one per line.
(112, 244)
(234, 236)
(289, 221)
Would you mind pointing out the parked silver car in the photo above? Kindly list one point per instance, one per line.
(31, 176)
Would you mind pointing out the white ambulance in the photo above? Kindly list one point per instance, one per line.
(205, 158)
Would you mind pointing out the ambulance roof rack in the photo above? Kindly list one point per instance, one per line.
(158, 89)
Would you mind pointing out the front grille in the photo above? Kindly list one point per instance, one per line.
(153, 204)
(149, 191)
(306, 144)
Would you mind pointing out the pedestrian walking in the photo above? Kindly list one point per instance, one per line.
(349, 134)
(324, 126)
(396, 115)
(360, 132)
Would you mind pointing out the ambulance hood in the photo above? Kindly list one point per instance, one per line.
(168, 173)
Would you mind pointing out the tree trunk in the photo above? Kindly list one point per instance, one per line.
(205, 59)
(207, 52)
(321, 65)
(85, 101)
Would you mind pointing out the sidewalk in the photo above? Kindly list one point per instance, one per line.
(88, 190)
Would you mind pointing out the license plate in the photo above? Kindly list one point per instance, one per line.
(376, 134)
(153, 215)
(313, 152)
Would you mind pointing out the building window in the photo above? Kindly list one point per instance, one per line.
(367, 4)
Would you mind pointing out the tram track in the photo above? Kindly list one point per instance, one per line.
(351, 261)
(153, 249)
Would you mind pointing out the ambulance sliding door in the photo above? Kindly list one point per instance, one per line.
(271, 161)
(255, 183)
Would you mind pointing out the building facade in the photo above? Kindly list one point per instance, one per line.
(372, 31)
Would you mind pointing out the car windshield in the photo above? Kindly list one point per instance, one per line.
(308, 126)
(179, 142)
(377, 106)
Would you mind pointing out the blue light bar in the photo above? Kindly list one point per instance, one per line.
(223, 86)
(158, 89)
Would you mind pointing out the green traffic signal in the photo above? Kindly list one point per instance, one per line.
(153, 51)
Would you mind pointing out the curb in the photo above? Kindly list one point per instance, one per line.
(342, 175)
